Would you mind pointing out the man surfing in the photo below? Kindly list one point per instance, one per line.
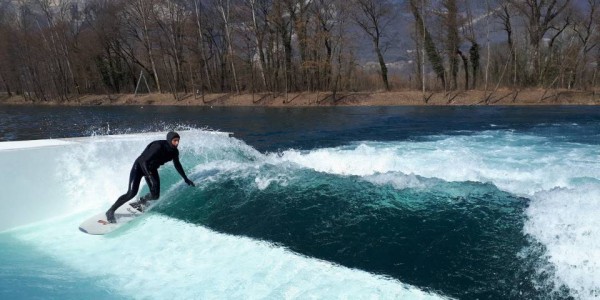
(155, 155)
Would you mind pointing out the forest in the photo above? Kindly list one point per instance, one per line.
(60, 49)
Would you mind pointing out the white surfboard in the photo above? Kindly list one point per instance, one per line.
(98, 224)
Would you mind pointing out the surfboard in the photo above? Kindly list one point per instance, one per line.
(98, 224)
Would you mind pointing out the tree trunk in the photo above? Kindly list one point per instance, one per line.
(201, 46)
(382, 66)
(224, 9)
(452, 40)
(143, 8)
(373, 16)
(466, 68)
(259, 39)
(432, 54)
(474, 57)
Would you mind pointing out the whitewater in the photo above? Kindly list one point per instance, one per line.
(202, 244)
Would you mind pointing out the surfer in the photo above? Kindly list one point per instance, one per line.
(155, 155)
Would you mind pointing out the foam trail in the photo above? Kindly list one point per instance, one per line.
(160, 258)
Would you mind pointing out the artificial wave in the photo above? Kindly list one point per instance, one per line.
(49, 186)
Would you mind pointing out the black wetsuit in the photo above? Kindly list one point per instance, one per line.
(155, 155)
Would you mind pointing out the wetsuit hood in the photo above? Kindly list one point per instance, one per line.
(170, 136)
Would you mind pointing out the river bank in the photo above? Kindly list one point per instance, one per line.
(393, 98)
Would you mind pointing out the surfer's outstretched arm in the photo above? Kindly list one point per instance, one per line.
(179, 169)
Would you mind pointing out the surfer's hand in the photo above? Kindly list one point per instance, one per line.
(189, 182)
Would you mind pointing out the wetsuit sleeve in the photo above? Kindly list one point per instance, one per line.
(179, 168)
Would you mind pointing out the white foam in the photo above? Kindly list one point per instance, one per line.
(262, 183)
(361, 160)
(567, 222)
(398, 181)
(163, 258)
(518, 164)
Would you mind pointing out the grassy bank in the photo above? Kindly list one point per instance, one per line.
(393, 98)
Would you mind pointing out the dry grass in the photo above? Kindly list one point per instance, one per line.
(393, 98)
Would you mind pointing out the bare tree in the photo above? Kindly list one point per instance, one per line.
(171, 17)
(469, 34)
(57, 41)
(585, 27)
(140, 14)
(283, 24)
(224, 8)
(304, 29)
(429, 46)
(339, 63)
(374, 17)
(259, 10)
(452, 39)
(105, 23)
(540, 15)
(6, 33)
(330, 22)
(505, 17)
(201, 44)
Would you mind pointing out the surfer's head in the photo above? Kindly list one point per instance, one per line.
(173, 139)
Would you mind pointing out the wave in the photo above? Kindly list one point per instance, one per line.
(419, 235)
(559, 177)
(160, 257)
(516, 163)
(469, 216)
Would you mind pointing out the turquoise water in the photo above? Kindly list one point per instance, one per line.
(469, 203)
(30, 274)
